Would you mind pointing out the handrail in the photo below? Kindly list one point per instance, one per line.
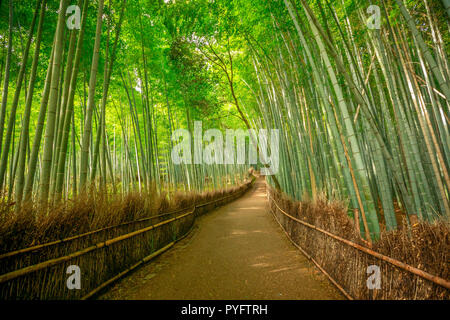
(435, 279)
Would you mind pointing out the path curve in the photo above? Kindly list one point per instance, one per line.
(237, 252)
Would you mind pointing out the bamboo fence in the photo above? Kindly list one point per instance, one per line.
(344, 262)
(103, 255)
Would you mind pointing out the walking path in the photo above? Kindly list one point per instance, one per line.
(237, 251)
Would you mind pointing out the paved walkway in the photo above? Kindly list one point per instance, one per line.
(235, 252)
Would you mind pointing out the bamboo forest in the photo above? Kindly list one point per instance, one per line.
(131, 127)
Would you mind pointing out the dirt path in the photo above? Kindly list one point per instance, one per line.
(235, 252)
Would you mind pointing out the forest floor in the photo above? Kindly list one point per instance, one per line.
(237, 251)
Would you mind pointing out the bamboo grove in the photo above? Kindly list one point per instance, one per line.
(365, 121)
(57, 142)
(358, 89)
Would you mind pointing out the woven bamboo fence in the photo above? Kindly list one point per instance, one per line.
(331, 242)
(103, 255)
